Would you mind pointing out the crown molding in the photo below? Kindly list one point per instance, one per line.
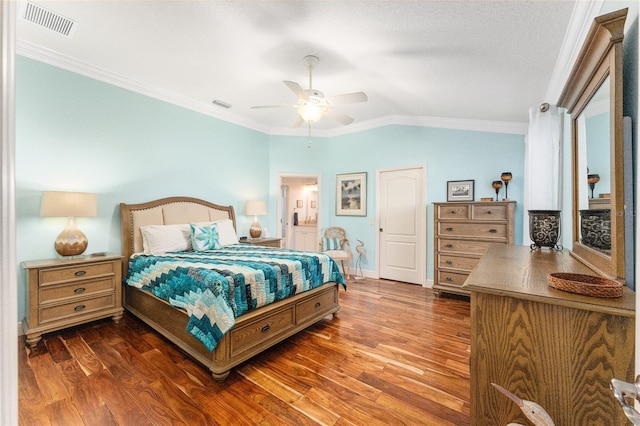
(86, 69)
(582, 16)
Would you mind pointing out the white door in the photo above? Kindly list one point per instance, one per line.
(402, 239)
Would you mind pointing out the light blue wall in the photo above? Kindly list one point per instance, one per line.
(448, 155)
(76, 133)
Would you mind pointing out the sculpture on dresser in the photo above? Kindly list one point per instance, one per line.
(506, 178)
(497, 184)
(592, 179)
(544, 229)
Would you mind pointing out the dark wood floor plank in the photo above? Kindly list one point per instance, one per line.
(394, 355)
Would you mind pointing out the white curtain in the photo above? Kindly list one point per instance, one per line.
(542, 164)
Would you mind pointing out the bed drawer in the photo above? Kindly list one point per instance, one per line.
(323, 302)
(252, 334)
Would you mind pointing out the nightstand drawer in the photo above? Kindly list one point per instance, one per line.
(77, 272)
(82, 288)
(311, 307)
(76, 308)
(248, 336)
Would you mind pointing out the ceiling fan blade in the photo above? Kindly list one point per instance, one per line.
(338, 116)
(347, 98)
(273, 106)
(298, 122)
(299, 91)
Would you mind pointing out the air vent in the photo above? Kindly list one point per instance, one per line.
(48, 19)
(221, 103)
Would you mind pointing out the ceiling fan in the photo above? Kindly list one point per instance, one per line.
(312, 105)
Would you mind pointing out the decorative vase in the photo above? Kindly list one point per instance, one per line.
(595, 228)
(544, 229)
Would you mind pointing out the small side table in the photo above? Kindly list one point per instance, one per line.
(63, 293)
(267, 242)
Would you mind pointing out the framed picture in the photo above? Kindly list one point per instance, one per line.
(313, 204)
(460, 190)
(351, 194)
(298, 203)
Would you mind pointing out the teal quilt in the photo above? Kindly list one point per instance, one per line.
(215, 287)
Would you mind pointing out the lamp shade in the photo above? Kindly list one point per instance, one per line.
(255, 208)
(68, 204)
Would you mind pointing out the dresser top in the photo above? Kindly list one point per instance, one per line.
(519, 272)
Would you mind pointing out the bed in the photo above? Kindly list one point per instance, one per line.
(255, 330)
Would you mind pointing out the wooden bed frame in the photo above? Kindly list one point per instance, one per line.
(254, 332)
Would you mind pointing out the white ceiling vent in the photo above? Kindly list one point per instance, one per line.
(48, 19)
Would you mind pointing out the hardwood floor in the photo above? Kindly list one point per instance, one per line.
(395, 355)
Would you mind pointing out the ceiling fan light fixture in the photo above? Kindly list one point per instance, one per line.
(312, 108)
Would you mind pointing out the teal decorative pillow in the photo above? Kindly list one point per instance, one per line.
(205, 237)
(331, 244)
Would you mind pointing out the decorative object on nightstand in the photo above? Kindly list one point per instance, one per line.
(255, 208)
(71, 241)
(66, 292)
(506, 178)
(592, 179)
(497, 184)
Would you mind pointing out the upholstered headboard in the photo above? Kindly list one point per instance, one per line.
(165, 211)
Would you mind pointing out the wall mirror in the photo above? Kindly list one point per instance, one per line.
(593, 97)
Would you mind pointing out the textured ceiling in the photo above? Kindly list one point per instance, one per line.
(469, 60)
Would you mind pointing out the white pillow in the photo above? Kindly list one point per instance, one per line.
(226, 232)
(158, 239)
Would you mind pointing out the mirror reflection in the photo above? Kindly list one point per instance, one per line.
(594, 153)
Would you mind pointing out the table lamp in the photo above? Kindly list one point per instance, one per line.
(71, 241)
(255, 208)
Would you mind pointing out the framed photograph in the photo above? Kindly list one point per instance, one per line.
(298, 203)
(460, 190)
(351, 194)
(313, 204)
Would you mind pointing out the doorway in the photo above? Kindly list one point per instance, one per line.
(402, 222)
(298, 215)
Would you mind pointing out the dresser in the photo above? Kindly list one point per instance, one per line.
(462, 233)
(555, 348)
(66, 292)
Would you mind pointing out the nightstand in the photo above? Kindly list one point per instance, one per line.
(267, 242)
(66, 292)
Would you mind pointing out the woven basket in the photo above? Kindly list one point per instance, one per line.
(589, 285)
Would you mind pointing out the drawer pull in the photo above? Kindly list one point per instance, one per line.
(266, 328)
(317, 305)
(449, 279)
(448, 262)
(489, 212)
(80, 273)
(79, 308)
(449, 229)
(79, 290)
(453, 212)
(493, 231)
(449, 246)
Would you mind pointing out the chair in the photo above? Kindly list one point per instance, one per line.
(336, 245)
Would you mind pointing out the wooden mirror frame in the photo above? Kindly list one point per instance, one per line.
(599, 58)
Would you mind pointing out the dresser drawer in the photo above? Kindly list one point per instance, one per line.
(457, 262)
(476, 229)
(252, 334)
(54, 276)
(451, 278)
(50, 293)
(453, 211)
(76, 308)
(489, 212)
(324, 301)
(463, 246)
